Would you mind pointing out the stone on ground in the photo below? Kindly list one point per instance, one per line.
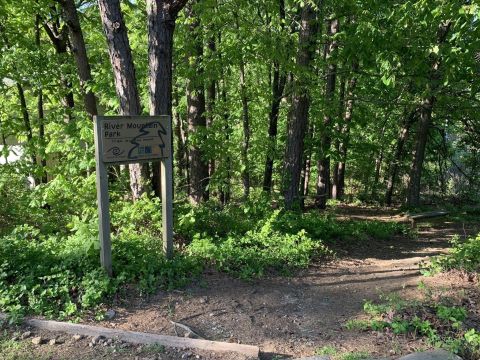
(37, 340)
(431, 355)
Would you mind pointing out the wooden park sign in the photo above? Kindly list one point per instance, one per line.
(126, 140)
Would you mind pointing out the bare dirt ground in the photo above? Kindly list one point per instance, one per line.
(292, 316)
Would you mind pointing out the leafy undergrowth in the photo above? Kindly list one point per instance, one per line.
(49, 262)
(442, 321)
(463, 256)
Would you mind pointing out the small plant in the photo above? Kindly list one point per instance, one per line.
(463, 256)
(326, 350)
(154, 349)
(440, 323)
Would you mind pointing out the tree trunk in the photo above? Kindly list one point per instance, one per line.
(343, 147)
(41, 114)
(225, 192)
(397, 158)
(414, 185)
(80, 54)
(307, 165)
(59, 38)
(298, 121)
(28, 129)
(245, 123)
(161, 27)
(197, 121)
(323, 164)
(211, 97)
(181, 153)
(338, 140)
(124, 77)
(278, 86)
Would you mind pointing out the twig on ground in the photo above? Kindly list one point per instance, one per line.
(186, 328)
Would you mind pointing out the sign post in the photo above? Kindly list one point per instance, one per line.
(126, 140)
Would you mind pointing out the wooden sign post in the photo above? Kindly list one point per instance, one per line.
(126, 140)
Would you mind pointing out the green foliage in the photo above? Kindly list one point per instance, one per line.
(439, 322)
(464, 255)
(50, 265)
(60, 277)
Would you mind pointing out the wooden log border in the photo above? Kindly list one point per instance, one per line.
(141, 338)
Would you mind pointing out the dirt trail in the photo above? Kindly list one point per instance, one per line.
(294, 316)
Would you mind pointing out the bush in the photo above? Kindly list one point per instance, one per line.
(463, 256)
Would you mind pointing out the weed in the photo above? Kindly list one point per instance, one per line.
(154, 349)
(326, 350)
(463, 256)
(440, 323)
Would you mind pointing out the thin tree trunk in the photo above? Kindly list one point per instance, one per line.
(378, 166)
(425, 112)
(246, 132)
(424, 124)
(323, 164)
(245, 123)
(28, 129)
(343, 147)
(4, 143)
(59, 38)
(181, 153)
(197, 121)
(225, 193)
(278, 86)
(338, 140)
(41, 114)
(397, 158)
(211, 98)
(298, 121)
(80, 54)
(307, 164)
(124, 77)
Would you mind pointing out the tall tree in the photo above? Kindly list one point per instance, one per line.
(162, 15)
(278, 85)
(124, 77)
(323, 163)
(58, 35)
(298, 121)
(425, 121)
(197, 122)
(79, 51)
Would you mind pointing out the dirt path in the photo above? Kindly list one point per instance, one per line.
(294, 316)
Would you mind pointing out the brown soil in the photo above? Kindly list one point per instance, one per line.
(293, 316)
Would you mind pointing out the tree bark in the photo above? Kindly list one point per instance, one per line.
(211, 99)
(426, 108)
(424, 124)
(298, 121)
(161, 27)
(79, 51)
(181, 153)
(225, 191)
(124, 78)
(343, 147)
(338, 140)
(397, 158)
(41, 114)
(278, 86)
(197, 121)
(245, 122)
(28, 129)
(59, 38)
(323, 164)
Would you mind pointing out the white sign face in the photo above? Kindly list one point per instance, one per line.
(129, 139)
